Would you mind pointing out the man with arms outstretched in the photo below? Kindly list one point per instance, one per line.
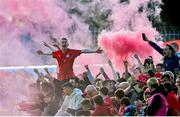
(65, 57)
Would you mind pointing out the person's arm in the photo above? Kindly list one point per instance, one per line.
(98, 50)
(90, 76)
(152, 44)
(39, 52)
(152, 67)
(106, 77)
(139, 62)
(48, 75)
(48, 46)
(98, 75)
(113, 70)
(41, 77)
(126, 68)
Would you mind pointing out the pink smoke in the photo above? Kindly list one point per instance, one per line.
(124, 40)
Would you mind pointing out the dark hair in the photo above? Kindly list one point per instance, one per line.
(48, 88)
(86, 102)
(151, 73)
(63, 38)
(76, 79)
(68, 85)
(125, 101)
(98, 100)
(119, 93)
(104, 90)
(104, 83)
(168, 87)
(175, 44)
(121, 80)
(159, 64)
(166, 76)
(147, 61)
(171, 48)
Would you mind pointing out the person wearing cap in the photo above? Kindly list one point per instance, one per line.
(171, 60)
(157, 104)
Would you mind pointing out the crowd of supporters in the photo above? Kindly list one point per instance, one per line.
(147, 90)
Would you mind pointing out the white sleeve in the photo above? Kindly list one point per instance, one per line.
(77, 102)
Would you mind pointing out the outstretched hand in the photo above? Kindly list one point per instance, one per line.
(86, 66)
(125, 62)
(109, 62)
(136, 56)
(99, 50)
(145, 37)
(40, 52)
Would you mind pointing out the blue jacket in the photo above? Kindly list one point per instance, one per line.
(170, 63)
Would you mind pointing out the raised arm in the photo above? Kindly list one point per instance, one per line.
(139, 62)
(106, 77)
(40, 52)
(48, 75)
(90, 76)
(152, 44)
(98, 50)
(126, 68)
(48, 46)
(113, 70)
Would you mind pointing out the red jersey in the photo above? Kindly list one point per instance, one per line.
(103, 110)
(65, 62)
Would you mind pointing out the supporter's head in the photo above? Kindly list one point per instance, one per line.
(64, 44)
(48, 91)
(98, 83)
(138, 70)
(168, 86)
(86, 105)
(107, 84)
(121, 80)
(175, 46)
(98, 100)
(168, 51)
(165, 79)
(147, 62)
(74, 81)
(91, 90)
(159, 67)
(178, 83)
(147, 94)
(103, 91)
(125, 101)
(152, 84)
(119, 93)
(67, 88)
(150, 73)
(167, 76)
(142, 80)
(115, 103)
(122, 85)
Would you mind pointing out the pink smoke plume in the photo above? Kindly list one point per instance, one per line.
(24, 25)
(124, 40)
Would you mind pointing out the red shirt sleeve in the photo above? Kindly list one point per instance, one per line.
(76, 52)
(55, 54)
